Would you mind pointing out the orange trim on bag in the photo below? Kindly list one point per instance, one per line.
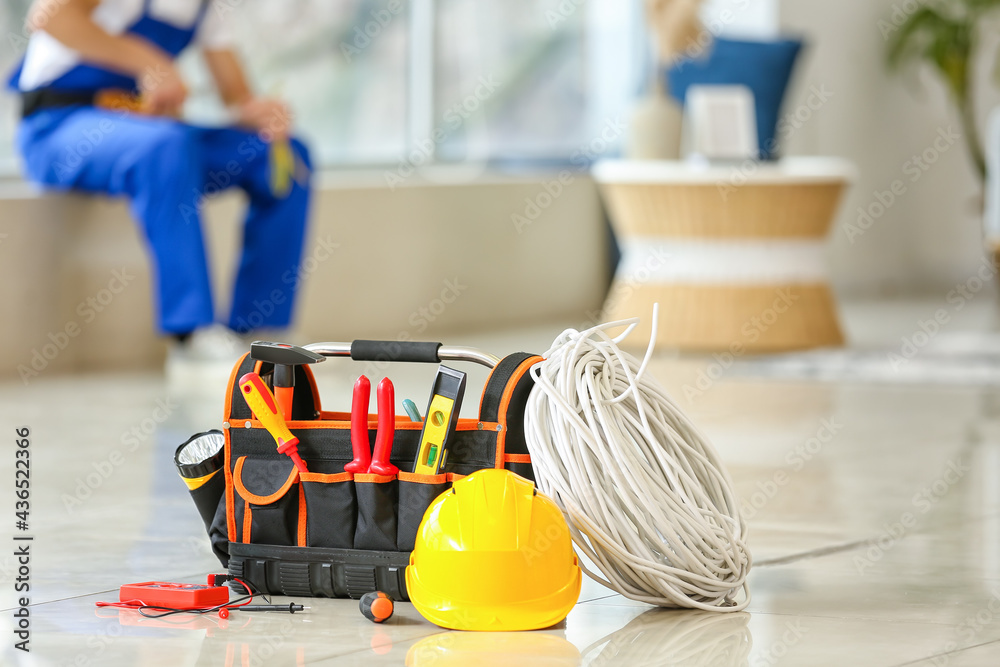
(325, 478)
(374, 479)
(293, 425)
(341, 421)
(401, 424)
(247, 517)
(423, 479)
(293, 477)
(454, 476)
(228, 411)
(508, 392)
(302, 518)
(517, 458)
(230, 498)
(338, 425)
(228, 407)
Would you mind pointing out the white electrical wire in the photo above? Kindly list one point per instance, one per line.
(645, 494)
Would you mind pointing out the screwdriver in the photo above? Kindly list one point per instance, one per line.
(261, 401)
(291, 608)
(411, 410)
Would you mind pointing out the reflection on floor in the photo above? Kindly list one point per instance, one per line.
(874, 509)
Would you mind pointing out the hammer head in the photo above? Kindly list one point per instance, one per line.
(283, 354)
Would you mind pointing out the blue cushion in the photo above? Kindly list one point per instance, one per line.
(763, 67)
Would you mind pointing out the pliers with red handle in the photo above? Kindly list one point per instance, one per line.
(364, 461)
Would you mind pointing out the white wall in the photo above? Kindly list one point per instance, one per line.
(745, 18)
(930, 238)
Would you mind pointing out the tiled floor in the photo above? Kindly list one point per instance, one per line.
(829, 471)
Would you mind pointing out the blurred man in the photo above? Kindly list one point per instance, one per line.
(102, 102)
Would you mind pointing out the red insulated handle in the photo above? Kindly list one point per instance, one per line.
(359, 427)
(386, 430)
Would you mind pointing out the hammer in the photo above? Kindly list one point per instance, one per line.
(285, 358)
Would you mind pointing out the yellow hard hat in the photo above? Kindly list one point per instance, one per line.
(492, 554)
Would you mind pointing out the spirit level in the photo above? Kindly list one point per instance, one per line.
(441, 420)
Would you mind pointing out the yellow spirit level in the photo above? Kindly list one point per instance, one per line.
(440, 421)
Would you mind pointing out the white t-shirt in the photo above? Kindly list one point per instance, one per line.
(46, 58)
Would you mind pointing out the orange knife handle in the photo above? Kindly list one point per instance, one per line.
(283, 396)
(261, 401)
(386, 430)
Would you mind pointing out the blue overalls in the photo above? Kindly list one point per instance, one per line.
(165, 168)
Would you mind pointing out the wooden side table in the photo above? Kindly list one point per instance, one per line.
(735, 256)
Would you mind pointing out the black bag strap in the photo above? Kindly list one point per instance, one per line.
(496, 384)
(504, 399)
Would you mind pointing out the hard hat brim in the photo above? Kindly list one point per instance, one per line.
(480, 615)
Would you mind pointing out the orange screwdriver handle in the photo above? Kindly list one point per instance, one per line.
(386, 430)
(359, 427)
(265, 408)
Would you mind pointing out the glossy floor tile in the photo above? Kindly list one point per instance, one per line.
(874, 510)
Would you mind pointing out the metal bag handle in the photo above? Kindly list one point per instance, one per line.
(403, 351)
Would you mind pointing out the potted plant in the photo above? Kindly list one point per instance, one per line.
(945, 34)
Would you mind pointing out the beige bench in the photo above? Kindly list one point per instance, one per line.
(424, 260)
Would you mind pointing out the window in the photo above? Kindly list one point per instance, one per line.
(380, 82)
(12, 15)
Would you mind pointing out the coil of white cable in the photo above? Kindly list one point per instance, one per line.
(645, 494)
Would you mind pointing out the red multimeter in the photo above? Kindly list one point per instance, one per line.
(173, 595)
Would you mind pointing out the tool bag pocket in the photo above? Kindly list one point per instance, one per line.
(416, 493)
(330, 509)
(267, 493)
(378, 498)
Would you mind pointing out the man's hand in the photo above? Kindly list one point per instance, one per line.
(162, 89)
(270, 117)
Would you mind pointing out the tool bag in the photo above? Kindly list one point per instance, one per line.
(330, 533)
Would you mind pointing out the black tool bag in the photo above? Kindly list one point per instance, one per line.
(329, 533)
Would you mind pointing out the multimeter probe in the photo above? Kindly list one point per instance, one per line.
(156, 599)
